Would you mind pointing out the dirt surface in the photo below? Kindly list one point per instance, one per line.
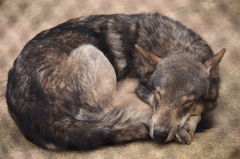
(218, 22)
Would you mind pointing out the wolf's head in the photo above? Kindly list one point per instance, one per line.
(174, 86)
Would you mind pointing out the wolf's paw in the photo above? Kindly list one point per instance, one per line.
(184, 135)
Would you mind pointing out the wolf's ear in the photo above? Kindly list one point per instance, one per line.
(149, 60)
(210, 65)
(214, 60)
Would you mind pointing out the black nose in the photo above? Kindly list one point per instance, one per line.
(159, 135)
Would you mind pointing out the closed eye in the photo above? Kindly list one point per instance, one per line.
(187, 100)
(187, 106)
(188, 103)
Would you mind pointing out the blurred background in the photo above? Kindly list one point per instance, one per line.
(218, 22)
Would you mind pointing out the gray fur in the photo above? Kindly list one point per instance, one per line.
(110, 79)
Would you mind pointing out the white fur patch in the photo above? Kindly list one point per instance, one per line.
(51, 146)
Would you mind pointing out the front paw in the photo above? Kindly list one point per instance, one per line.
(184, 135)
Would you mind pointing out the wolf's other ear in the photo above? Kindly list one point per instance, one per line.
(210, 65)
(214, 60)
(149, 60)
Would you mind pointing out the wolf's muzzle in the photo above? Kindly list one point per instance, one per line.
(160, 136)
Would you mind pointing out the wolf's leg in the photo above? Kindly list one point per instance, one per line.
(95, 81)
(185, 134)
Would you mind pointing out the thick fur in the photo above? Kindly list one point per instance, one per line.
(64, 94)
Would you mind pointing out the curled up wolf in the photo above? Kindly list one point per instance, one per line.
(110, 79)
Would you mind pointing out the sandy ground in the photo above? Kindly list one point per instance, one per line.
(218, 22)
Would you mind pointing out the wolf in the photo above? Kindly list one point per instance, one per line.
(110, 79)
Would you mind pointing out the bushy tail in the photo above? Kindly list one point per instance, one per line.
(118, 126)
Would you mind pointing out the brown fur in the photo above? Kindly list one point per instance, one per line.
(91, 81)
